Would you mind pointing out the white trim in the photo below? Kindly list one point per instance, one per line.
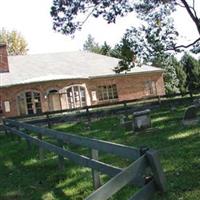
(25, 102)
(87, 96)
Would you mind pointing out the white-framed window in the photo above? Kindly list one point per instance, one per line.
(107, 92)
(29, 102)
(76, 96)
(150, 87)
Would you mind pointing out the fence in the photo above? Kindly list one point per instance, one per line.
(133, 174)
(96, 111)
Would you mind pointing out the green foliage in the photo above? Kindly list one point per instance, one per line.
(16, 44)
(181, 75)
(23, 176)
(192, 70)
(150, 41)
(171, 80)
(106, 49)
(70, 15)
(65, 12)
(148, 44)
(91, 45)
(124, 52)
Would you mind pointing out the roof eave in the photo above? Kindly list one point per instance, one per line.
(127, 74)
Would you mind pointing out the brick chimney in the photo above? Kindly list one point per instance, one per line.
(3, 59)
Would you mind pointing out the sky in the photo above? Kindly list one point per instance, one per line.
(32, 19)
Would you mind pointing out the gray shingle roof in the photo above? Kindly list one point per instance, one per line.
(57, 66)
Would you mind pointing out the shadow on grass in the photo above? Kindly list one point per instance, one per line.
(23, 176)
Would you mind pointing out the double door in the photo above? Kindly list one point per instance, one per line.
(76, 97)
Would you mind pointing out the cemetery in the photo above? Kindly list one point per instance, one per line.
(100, 100)
(44, 175)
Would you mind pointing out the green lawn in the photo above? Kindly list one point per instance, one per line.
(24, 177)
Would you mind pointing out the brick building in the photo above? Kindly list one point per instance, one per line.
(46, 82)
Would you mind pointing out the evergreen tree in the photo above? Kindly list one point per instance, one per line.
(192, 70)
(105, 49)
(124, 52)
(171, 78)
(91, 45)
(181, 75)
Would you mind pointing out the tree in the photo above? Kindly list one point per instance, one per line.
(150, 42)
(144, 45)
(191, 67)
(70, 15)
(124, 52)
(106, 49)
(171, 79)
(91, 45)
(181, 75)
(16, 44)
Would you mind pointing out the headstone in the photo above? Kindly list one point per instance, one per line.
(190, 116)
(196, 103)
(172, 107)
(141, 120)
(126, 123)
(122, 119)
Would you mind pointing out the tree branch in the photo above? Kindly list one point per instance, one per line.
(184, 46)
(87, 17)
(192, 15)
(179, 4)
(193, 8)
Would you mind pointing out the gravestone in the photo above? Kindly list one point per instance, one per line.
(190, 116)
(122, 119)
(172, 107)
(196, 103)
(126, 123)
(141, 120)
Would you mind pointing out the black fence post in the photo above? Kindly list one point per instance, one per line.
(88, 117)
(41, 151)
(48, 121)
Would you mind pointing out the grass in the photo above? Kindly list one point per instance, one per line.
(23, 176)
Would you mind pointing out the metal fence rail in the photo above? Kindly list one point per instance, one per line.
(133, 174)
